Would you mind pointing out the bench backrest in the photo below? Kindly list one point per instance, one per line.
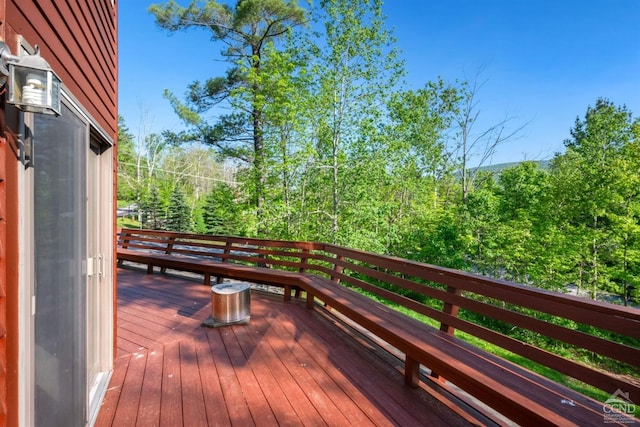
(514, 317)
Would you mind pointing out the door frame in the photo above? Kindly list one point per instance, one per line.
(99, 212)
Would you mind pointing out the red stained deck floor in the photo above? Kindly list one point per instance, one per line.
(288, 366)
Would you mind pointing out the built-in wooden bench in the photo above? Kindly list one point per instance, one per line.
(451, 300)
(520, 394)
(232, 258)
(211, 267)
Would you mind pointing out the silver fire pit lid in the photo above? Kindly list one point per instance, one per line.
(230, 305)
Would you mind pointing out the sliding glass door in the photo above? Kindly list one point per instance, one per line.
(73, 318)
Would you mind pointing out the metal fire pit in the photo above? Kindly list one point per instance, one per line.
(230, 304)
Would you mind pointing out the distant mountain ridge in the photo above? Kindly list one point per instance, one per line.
(499, 167)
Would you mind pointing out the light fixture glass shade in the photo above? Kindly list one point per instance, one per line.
(33, 86)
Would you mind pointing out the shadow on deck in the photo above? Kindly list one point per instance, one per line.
(288, 366)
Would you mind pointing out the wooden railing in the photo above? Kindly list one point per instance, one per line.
(551, 329)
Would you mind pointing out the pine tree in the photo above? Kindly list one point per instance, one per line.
(220, 213)
(245, 29)
(152, 211)
(178, 214)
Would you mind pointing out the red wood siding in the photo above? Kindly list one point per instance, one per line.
(79, 40)
(3, 284)
(9, 271)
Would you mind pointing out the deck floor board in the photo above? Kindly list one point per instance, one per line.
(126, 413)
(287, 366)
(151, 393)
(171, 399)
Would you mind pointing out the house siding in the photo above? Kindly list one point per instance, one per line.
(79, 40)
(9, 275)
(3, 285)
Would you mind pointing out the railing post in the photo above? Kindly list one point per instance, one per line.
(451, 309)
(170, 241)
(125, 240)
(225, 258)
(304, 259)
(124, 237)
(338, 269)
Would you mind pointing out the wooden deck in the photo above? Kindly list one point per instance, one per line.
(288, 366)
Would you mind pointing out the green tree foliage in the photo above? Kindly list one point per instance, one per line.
(221, 215)
(524, 222)
(416, 162)
(594, 184)
(523, 191)
(355, 66)
(482, 223)
(441, 239)
(178, 212)
(245, 30)
(126, 162)
(153, 211)
(286, 82)
(420, 121)
(195, 168)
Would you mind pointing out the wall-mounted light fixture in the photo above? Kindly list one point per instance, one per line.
(32, 85)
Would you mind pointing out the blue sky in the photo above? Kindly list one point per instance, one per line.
(544, 61)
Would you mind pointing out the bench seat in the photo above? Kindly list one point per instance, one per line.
(532, 399)
(211, 267)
